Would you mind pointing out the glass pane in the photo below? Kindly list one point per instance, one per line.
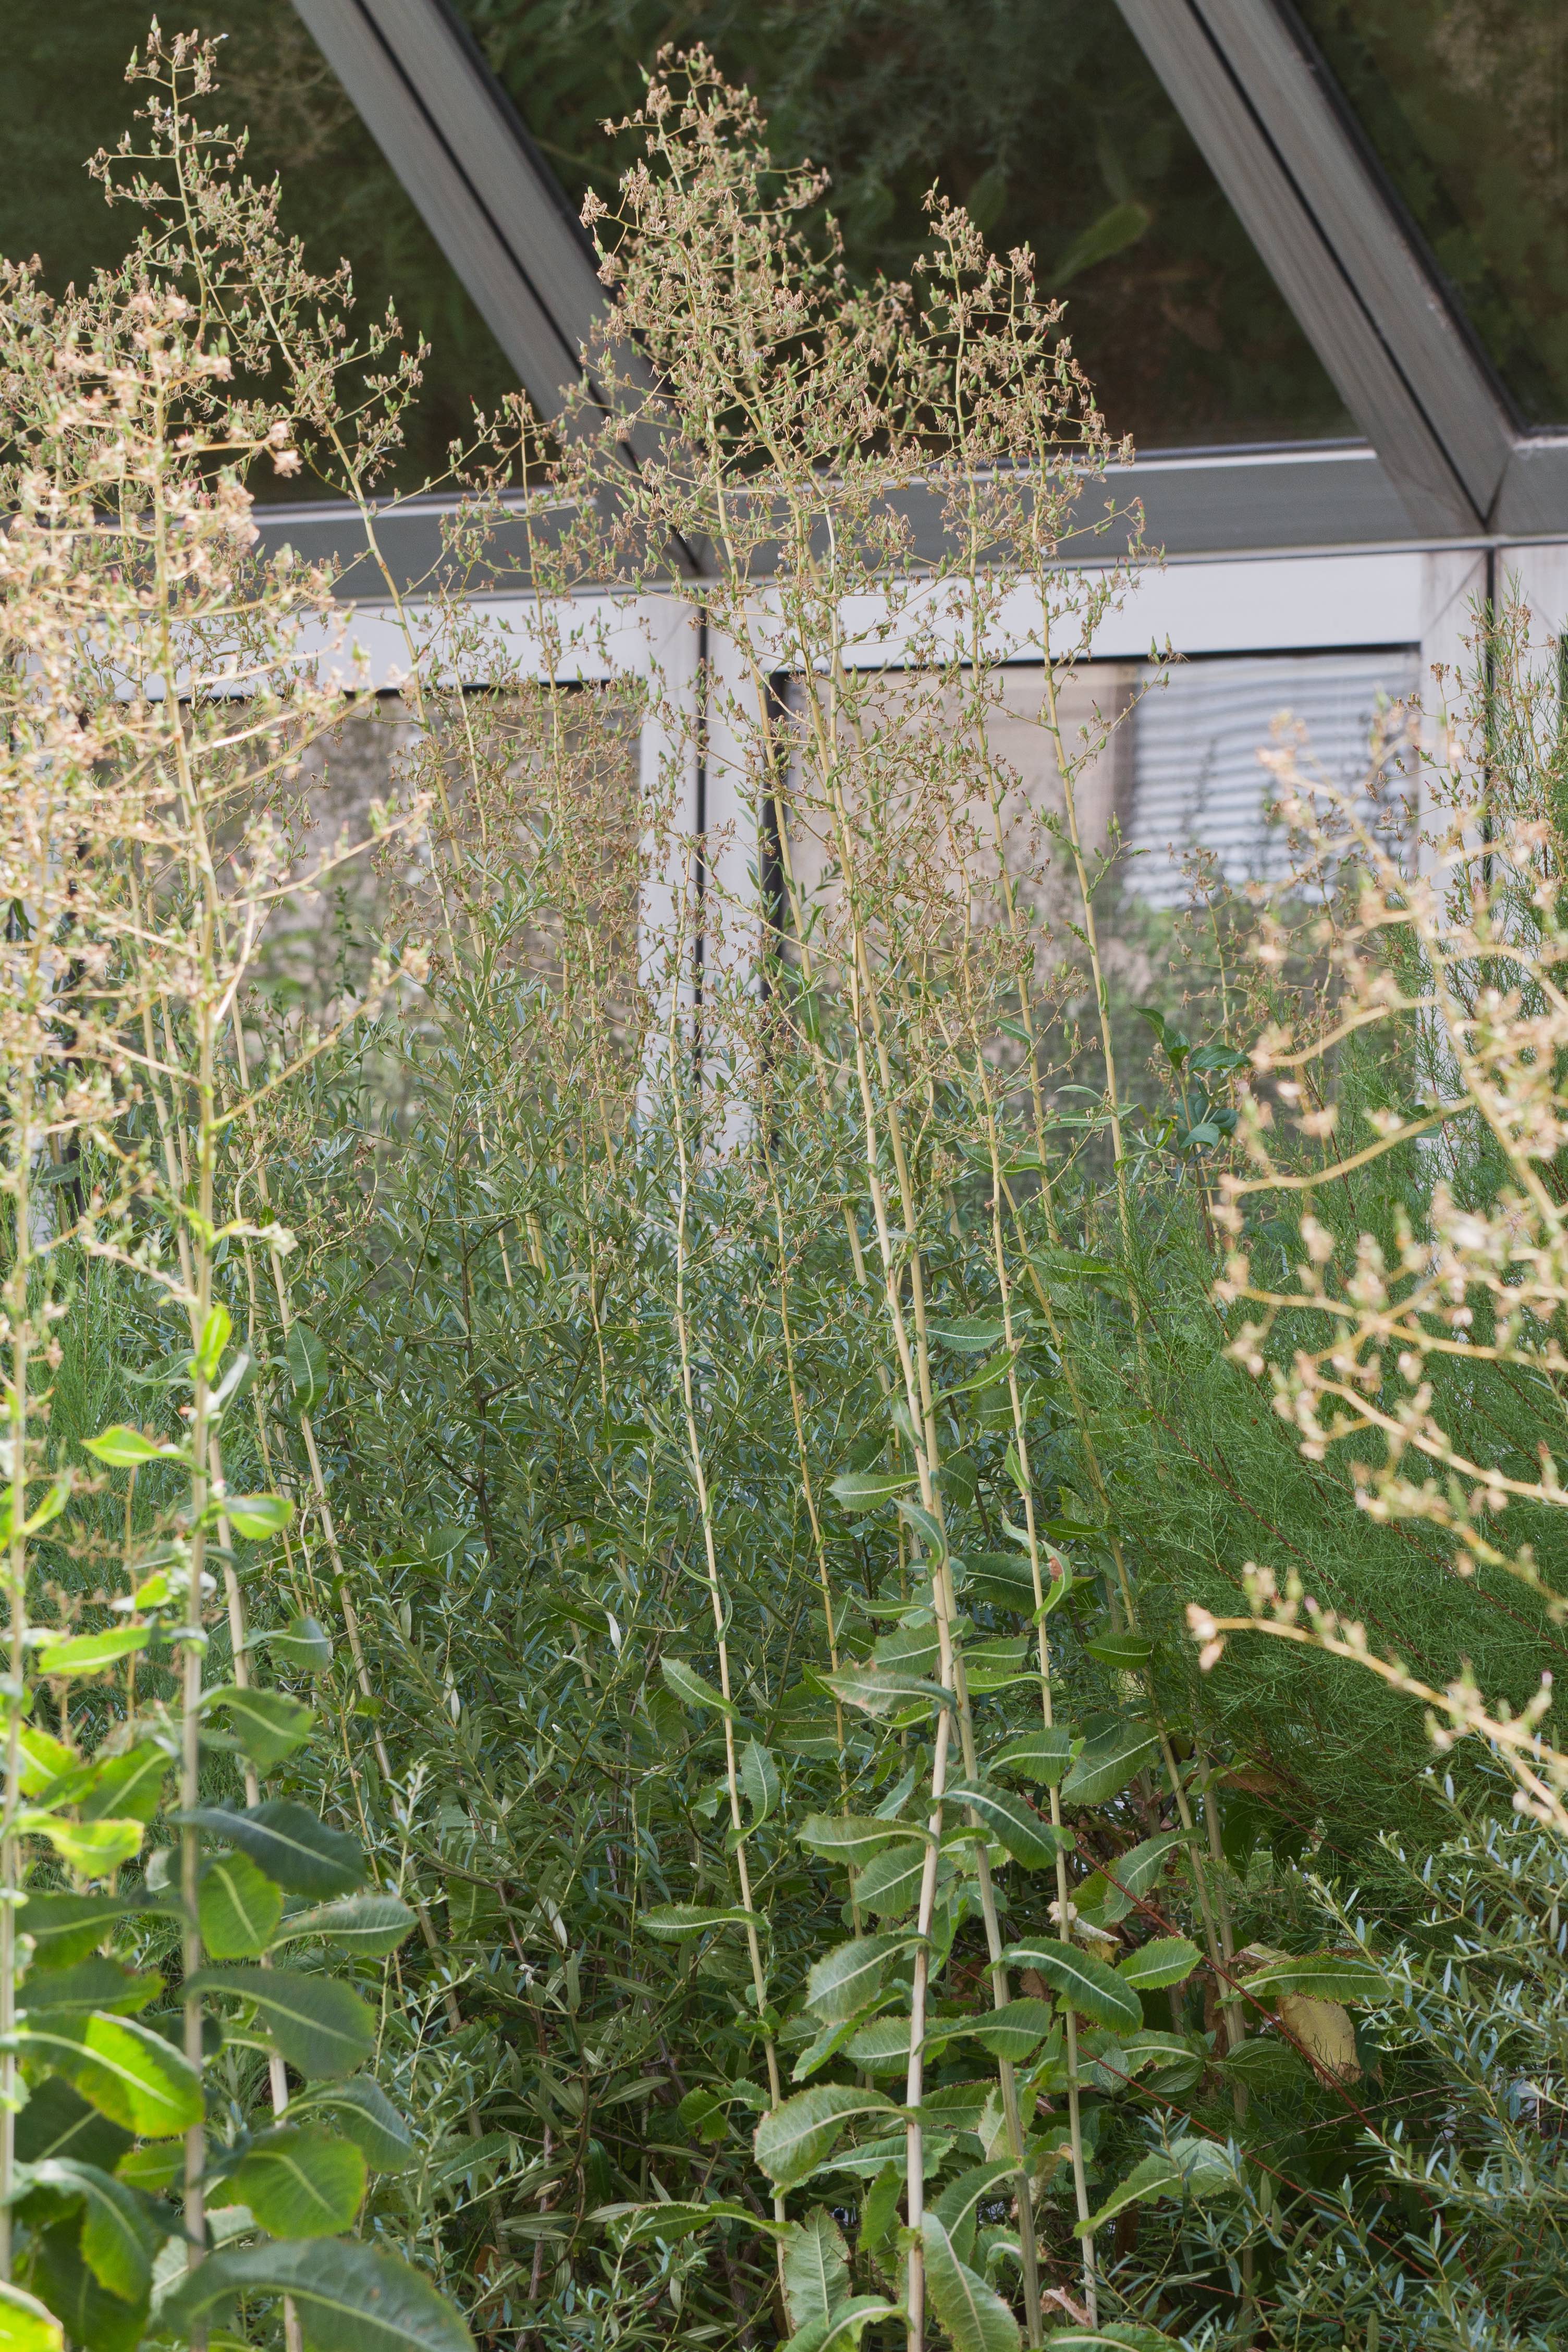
(1046, 121)
(63, 95)
(1465, 102)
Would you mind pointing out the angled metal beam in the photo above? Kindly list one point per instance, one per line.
(1248, 88)
(488, 197)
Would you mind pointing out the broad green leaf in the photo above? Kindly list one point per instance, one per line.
(44, 1759)
(371, 1925)
(127, 1787)
(1126, 1651)
(94, 1983)
(1169, 2054)
(257, 1517)
(66, 1927)
(879, 2206)
(677, 2217)
(92, 1849)
(118, 2241)
(348, 2297)
(361, 2111)
(846, 2326)
(153, 2166)
(25, 2324)
(968, 1335)
(269, 1725)
(815, 2269)
(124, 1448)
(303, 1644)
(1110, 1893)
(1167, 1960)
(1152, 2176)
(1323, 1975)
(1015, 2029)
(92, 2318)
(1084, 1984)
(1105, 1765)
(911, 1650)
(863, 1490)
(875, 1689)
(996, 1665)
(675, 1921)
(881, 2046)
(1042, 1756)
(1012, 1819)
(216, 1334)
(839, 1985)
(795, 2138)
(240, 1907)
(321, 2028)
(130, 2074)
(955, 2207)
(93, 1654)
(889, 1884)
(301, 1853)
(306, 1360)
(759, 1780)
(976, 2319)
(301, 2184)
(689, 1689)
(58, 2121)
(848, 1838)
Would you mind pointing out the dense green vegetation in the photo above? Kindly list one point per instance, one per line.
(744, 1507)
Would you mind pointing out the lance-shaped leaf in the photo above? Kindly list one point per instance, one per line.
(677, 2217)
(815, 2269)
(370, 1925)
(1323, 1976)
(759, 1780)
(321, 2028)
(1152, 2176)
(301, 2184)
(794, 2139)
(1084, 1984)
(58, 2121)
(93, 1654)
(839, 1985)
(1126, 1651)
(124, 1448)
(863, 1490)
(877, 1689)
(348, 2297)
(1167, 1960)
(674, 1921)
(361, 2111)
(306, 1362)
(849, 1838)
(1042, 1756)
(1105, 1765)
(269, 1725)
(689, 1689)
(129, 2073)
(289, 1844)
(25, 2324)
(957, 2206)
(1115, 2335)
(240, 1907)
(976, 2319)
(118, 2241)
(1011, 1819)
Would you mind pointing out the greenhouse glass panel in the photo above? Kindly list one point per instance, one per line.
(1047, 123)
(64, 95)
(1466, 103)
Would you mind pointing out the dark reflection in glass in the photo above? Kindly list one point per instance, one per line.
(1043, 118)
(63, 95)
(1466, 103)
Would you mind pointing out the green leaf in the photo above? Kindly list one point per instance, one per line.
(216, 1334)
(1084, 1984)
(1012, 1819)
(1120, 226)
(92, 1849)
(371, 1925)
(257, 1516)
(889, 1886)
(130, 2074)
(1110, 1893)
(1152, 2176)
(839, 1985)
(25, 2324)
(118, 2241)
(676, 2217)
(689, 1689)
(1117, 2335)
(66, 1927)
(846, 2326)
(815, 2269)
(1005, 1579)
(58, 2121)
(361, 2111)
(1323, 1975)
(955, 2207)
(863, 1490)
(320, 2027)
(1105, 1765)
(240, 1907)
(1167, 1960)
(850, 1838)
(94, 2318)
(124, 1448)
(874, 1689)
(94, 1983)
(1015, 2030)
(878, 2206)
(302, 1644)
(759, 1780)
(794, 2139)
(675, 1921)
(301, 2184)
(306, 1360)
(1042, 1756)
(1126, 1651)
(348, 2297)
(128, 1786)
(976, 2319)
(269, 1725)
(287, 1843)
(881, 2046)
(91, 1653)
(44, 1760)
(968, 1335)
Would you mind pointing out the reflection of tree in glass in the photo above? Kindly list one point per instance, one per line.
(1466, 104)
